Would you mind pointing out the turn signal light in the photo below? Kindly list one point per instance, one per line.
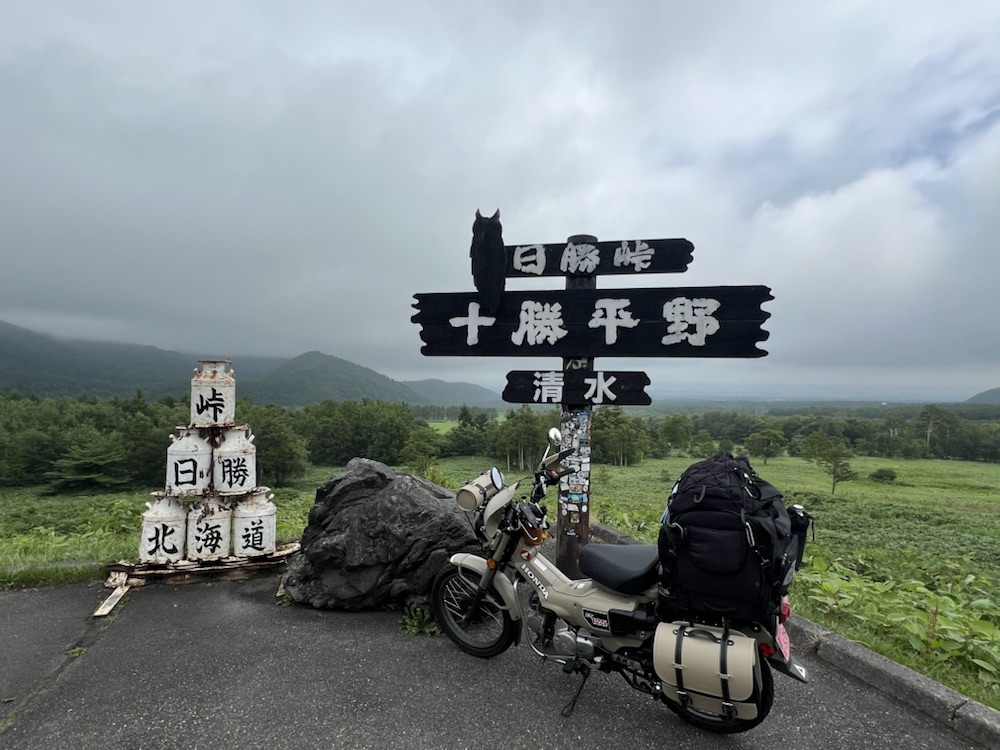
(786, 608)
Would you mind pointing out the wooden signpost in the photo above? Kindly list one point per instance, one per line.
(579, 323)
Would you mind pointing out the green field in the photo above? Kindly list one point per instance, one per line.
(908, 568)
(52, 539)
(442, 426)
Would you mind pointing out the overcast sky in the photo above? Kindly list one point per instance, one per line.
(272, 178)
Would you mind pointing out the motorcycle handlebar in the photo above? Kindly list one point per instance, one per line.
(556, 458)
(547, 477)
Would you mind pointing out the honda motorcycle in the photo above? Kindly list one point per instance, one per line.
(715, 674)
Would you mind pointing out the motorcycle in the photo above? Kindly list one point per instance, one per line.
(714, 674)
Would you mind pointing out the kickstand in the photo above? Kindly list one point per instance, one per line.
(570, 667)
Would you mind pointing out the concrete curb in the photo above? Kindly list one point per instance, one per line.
(968, 718)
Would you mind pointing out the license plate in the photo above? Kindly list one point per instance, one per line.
(784, 644)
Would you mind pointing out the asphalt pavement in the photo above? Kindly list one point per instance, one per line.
(224, 665)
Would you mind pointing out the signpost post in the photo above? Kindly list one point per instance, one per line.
(573, 517)
(580, 323)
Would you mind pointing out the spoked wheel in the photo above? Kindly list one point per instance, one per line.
(489, 632)
(720, 724)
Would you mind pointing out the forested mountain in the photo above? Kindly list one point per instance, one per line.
(314, 377)
(32, 363)
(35, 364)
(441, 392)
(991, 396)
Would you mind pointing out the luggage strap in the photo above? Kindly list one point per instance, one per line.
(724, 676)
(682, 695)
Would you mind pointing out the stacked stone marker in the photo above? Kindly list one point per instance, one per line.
(212, 508)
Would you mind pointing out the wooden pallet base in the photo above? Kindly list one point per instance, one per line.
(126, 573)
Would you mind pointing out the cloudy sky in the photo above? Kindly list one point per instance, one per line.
(271, 178)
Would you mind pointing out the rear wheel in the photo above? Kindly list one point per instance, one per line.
(720, 724)
(489, 632)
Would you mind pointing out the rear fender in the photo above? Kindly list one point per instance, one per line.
(475, 563)
(791, 667)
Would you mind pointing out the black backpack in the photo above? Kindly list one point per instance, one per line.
(727, 545)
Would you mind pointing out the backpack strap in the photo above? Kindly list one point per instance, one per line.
(752, 540)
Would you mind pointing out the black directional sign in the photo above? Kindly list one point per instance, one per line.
(581, 323)
(721, 321)
(599, 258)
(576, 387)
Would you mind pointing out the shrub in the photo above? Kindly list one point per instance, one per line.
(435, 474)
(885, 476)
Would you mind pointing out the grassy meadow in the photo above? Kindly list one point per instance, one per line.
(442, 426)
(66, 538)
(910, 568)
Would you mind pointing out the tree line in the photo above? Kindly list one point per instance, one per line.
(70, 443)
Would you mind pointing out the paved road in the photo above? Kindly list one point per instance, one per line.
(222, 665)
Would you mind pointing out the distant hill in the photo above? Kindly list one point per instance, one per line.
(36, 364)
(991, 396)
(32, 363)
(440, 392)
(315, 377)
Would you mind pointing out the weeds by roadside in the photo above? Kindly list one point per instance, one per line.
(419, 621)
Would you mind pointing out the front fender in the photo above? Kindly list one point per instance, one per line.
(468, 561)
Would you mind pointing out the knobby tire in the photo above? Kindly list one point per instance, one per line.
(490, 632)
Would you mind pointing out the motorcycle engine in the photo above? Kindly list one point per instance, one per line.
(553, 637)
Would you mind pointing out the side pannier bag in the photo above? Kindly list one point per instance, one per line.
(709, 669)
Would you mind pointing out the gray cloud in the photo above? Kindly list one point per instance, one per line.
(251, 178)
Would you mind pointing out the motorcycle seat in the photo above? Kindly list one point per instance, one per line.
(626, 568)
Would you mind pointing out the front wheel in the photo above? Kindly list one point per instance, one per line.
(720, 724)
(489, 632)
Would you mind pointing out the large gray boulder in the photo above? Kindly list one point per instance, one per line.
(376, 538)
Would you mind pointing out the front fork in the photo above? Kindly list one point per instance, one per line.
(485, 584)
(489, 570)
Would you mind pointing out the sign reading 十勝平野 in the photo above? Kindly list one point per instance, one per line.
(722, 321)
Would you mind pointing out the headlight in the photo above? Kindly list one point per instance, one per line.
(480, 489)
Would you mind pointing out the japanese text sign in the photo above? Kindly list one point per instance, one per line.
(576, 387)
(722, 321)
(599, 258)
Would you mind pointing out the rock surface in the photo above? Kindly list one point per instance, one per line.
(376, 538)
